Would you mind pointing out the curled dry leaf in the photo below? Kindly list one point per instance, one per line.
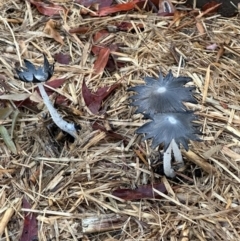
(144, 191)
(94, 100)
(51, 30)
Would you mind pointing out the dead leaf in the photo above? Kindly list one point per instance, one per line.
(80, 30)
(48, 9)
(30, 227)
(94, 100)
(62, 58)
(144, 191)
(104, 11)
(100, 35)
(101, 60)
(51, 30)
(208, 10)
(212, 5)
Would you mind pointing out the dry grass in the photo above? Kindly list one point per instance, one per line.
(69, 185)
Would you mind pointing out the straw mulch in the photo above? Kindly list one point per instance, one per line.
(69, 185)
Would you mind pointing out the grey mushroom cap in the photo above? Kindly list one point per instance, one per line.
(162, 95)
(165, 127)
(31, 73)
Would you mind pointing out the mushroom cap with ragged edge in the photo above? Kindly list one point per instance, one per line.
(163, 95)
(164, 127)
(31, 73)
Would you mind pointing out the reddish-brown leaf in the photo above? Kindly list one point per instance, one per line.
(208, 10)
(55, 83)
(94, 100)
(80, 30)
(48, 9)
(100, 35)
(101, 60)
(213, 6)
(104, 11)
(88, 3)
(62, 58)
(30, 227)
(96, 49)
(144, 191)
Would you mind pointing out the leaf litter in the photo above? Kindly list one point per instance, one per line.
(71, 186)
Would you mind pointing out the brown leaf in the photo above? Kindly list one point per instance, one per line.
(94, 100)
(209, 10)
(144, 191)
(104, 11)
(80, 30)
(213, 6)
(48, 9)
(104, 59)
(101, 60)
(50, 29)
(62, 58)
(100, 35)
(30, 227)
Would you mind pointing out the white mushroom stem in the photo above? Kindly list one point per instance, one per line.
(62, 124)
(177, 153)
(167, 157)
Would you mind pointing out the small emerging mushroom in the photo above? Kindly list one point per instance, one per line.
(171, 123)
(31, 73)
